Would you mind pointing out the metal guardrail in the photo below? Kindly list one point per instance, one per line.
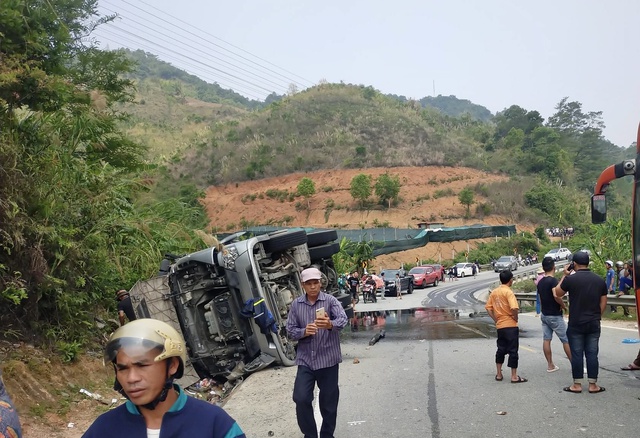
(530, 297)
(529, 275)
(624, 300)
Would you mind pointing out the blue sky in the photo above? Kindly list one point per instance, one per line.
(495, 53)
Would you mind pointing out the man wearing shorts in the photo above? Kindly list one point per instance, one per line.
(502, 307)
(551, 314)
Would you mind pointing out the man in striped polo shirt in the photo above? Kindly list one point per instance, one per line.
(315, 321)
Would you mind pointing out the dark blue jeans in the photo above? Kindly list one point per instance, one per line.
(327, 380)
(583, 342)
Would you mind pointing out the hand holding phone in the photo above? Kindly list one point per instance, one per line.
(320, 312)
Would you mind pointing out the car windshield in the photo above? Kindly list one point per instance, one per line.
(553, 251)
(461, 265)
(418, 271)
(389, 274)
(504, 259)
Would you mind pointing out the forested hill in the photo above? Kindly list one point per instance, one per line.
(149, 66)
(214, 136)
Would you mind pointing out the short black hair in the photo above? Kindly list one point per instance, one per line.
(506, 276)
(548, 264)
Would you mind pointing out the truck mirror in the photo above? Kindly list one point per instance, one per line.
(598, 209)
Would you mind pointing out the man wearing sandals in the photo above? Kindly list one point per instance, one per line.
(502, 307)
(587, 302)
(551, 308)
(633, 366)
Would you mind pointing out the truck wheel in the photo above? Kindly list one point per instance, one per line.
(280, 242)
(318, 238)
(324, 251)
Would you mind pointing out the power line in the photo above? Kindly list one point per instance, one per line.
(228, 43)
(271, 72)
(265, 79)
(136, 46)
(183, 55)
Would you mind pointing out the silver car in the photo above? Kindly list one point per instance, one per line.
(506, 263)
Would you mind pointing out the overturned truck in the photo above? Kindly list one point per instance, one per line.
(231, 301)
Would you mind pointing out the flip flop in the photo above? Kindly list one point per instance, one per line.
(499, 379)
(520, 380)
(555, 368)
(568, 389)
(630, 367)
(601, 389)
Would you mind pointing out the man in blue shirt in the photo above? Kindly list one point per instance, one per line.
(315, 320)
(147, 356)
(610, 280)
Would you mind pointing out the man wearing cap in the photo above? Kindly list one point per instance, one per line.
(551, 308)
(124, 306)
(587, 302)
(315, 320)
(610, 280)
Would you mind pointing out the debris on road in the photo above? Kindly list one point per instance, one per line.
(377, 337)
(96, 397)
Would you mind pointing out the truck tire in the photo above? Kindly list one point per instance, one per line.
(318, 238)
(324, 251)
(280, 242)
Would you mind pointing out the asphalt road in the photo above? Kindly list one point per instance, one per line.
(433, 375)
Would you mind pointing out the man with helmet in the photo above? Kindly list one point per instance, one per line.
(124, 306)
(147, 355)
(625, 283)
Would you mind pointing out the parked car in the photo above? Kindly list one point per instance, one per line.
(438, 268)
(231, 301)
(559, 254)
(424, 275)
(389, 275)
(464, 269)
(505, 263)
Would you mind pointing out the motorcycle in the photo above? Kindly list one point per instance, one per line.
(369, 292)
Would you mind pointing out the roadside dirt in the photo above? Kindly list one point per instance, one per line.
(46, 391)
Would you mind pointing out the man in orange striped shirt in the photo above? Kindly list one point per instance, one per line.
(502, 307)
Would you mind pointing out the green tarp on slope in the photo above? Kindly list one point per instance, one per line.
(390, 240)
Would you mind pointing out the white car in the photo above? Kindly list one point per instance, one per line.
(464, 269)
(559, 254)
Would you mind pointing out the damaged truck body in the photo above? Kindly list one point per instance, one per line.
(231, 301)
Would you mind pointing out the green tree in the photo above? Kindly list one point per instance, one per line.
(71, 231)
(361, 188)
(387, 188)
(466, 198)
(307, 188)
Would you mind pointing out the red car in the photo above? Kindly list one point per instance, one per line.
(425, 275)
